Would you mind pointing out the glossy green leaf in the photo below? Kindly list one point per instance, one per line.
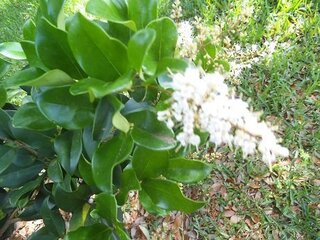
(12, 50)
(107, 156)
(22, 202)
(100, 56)
(139, 45)
(166, 38)
(225, 65)
(186, 170)
(24, 76)
(85, 170)
(89, 144)
(121, 234)
(68, 147)
(52, 218)
(43, 234)
(40, 142)
(2, 215)
(123, 83)
(148, 204)
(29, 30)
(14, 176)
(118, 31)
(106, 206)
(54, 171)
(28, 116)
(117, 173)
(128, 181)
(98, 88)
(132, 106)
(70, 200)
(24, 158)
(97, 232)
(54, 51)
(50, 78)
(167, 195)
(148, 92)
(89, 85)
(149, 132)
(164, 44)
(60, 107)
(32, 209)
(3, 96)
(29, 49)
(5, 122)
(142, 11)
(211, 49)
(16, 195)
(149, 163)
(173, 64)
(53, 11)
(118, 120)
(204, 136)
(112, 11)
(79, 217)
(102, 124)
(7, 155)
(4, 67)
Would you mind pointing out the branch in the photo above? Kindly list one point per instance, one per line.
(11, 220)
(20, 145)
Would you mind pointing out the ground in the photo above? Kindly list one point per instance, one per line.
(274, 49)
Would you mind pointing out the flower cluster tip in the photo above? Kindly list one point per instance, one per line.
(204, 102)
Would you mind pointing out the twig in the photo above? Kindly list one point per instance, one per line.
(11, 220)
(21, 145)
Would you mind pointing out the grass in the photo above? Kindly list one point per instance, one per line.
(15, 12)
(284, 203)
(13, 15)
(245, 199)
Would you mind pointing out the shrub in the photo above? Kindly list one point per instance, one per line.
(89, 129)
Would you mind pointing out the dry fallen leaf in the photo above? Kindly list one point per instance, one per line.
(268, 181)
(257, 195)
(248, 222)
(215, 188)
(235, 219)
(275, 234)
(178, 223)
(229, 213)
(316, 182)
(145, 232)
(268, 211)
(255, 218)
(254, 185)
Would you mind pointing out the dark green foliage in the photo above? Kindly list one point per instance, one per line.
(78, 135)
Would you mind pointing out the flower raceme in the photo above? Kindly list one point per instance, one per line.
(186, 44)
(203, 101)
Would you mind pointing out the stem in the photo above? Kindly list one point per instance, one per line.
(11, 220)
(20, 144)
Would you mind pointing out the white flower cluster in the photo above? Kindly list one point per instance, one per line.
(176, 12)
(186, 45)
(244, 57)
(193, 36)
(203, 101)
